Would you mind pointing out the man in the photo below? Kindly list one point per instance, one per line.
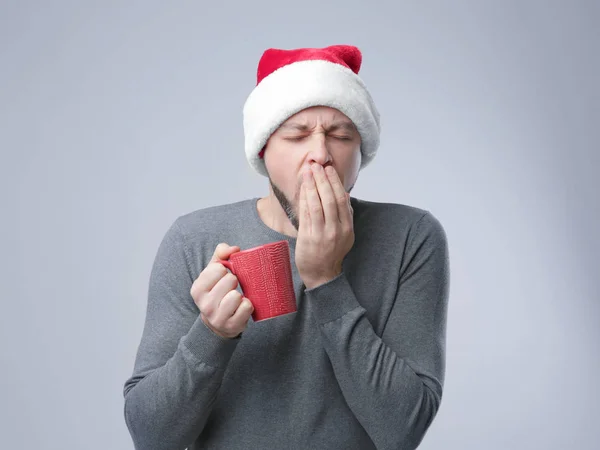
(361, 364)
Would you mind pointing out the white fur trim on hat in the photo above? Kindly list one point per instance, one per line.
(300, 85)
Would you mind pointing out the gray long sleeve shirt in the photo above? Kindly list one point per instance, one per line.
(360, 365)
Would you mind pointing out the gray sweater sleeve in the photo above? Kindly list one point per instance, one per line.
(180, 362)
(393, 382)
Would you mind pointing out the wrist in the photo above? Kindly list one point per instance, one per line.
(313, 283)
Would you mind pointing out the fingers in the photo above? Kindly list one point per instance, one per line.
(209, 301)
(214, 271)
(313, 202)
(223, 251)
(223, 309)
(207, 279)
(342, 198)
(242, 314)
(226, 308)
(326, 194)
(214, 279)
(224, 285)
(231, 316)
(231, 313)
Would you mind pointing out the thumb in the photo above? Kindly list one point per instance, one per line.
(223, 251)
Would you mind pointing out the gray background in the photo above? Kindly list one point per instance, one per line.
(116, 117)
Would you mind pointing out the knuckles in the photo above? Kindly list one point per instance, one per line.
(207, 309)
(218, 268)
(231, 279)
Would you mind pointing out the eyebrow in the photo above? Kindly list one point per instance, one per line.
(345, 126)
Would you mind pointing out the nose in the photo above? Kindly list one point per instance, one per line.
(319, 153)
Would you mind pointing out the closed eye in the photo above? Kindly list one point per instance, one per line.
(299, 138)
(294, 138)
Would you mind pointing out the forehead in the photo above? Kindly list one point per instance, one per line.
(316, 116)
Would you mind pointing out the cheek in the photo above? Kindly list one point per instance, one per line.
(357, 159)
(286, 180)
(277, 156)
(351, 168)
(283, 166)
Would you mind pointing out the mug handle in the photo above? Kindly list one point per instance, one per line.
(226, 263)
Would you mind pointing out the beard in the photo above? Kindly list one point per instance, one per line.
(287, 205)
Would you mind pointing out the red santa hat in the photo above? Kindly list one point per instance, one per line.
(289, 81)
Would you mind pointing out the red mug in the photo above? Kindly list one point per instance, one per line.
(265, 276)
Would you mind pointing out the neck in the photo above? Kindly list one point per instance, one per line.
(273, 216)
